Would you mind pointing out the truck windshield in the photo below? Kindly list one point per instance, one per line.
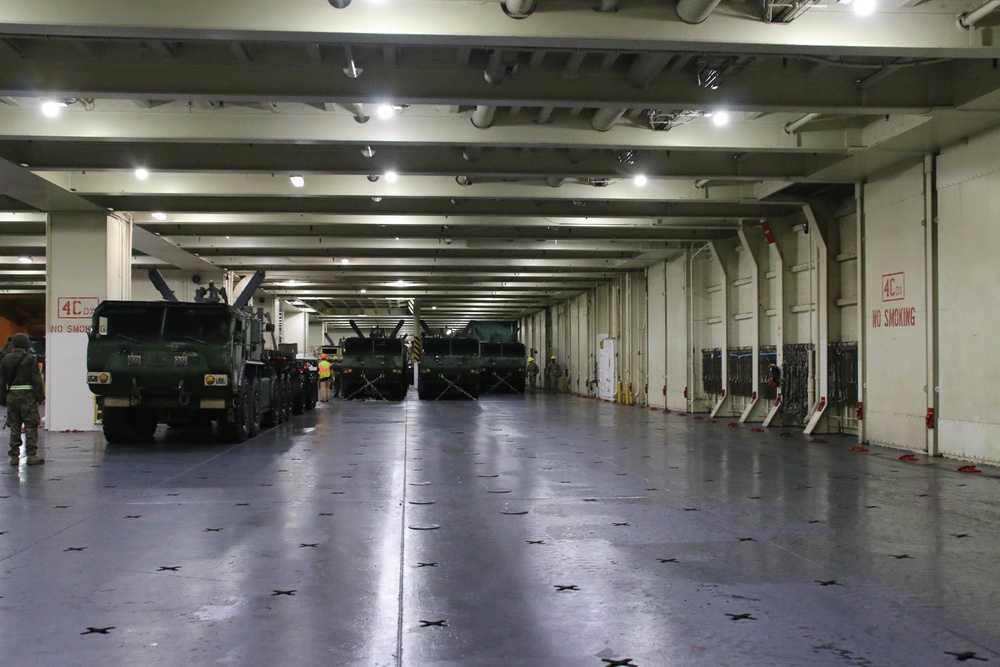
(197, 324)
(142, 323)
(138, 323)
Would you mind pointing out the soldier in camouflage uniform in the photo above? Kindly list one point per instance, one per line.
(22, 393)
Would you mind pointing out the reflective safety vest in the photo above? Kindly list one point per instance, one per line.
(324, 369)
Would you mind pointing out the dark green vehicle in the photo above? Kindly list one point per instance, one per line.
(502, 368)
(449, 367)
(154, 362)
(375, 366)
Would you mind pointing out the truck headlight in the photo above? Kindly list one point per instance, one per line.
(216, 380)
(99, 377)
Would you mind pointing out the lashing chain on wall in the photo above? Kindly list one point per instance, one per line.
(766, 361)
(795, 382)
(741, 371)
(711, 370)
(842, 365)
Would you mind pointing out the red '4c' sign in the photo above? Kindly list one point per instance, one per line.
(76, 307)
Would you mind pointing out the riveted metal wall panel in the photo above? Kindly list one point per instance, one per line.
(895, 353)
(968, 273)
(678, 355)
(656, 339)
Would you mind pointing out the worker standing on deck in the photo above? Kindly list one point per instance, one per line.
(552, 374)
(532, 373)
(21, 392)
(324, 378)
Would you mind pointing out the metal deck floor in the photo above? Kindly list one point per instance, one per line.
(516, 531)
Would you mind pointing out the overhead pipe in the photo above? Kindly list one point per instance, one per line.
(518, 9)
(358, 111)
(794, 126)
(482, 116)
(695, 11)
(646, 67)
(604, 119)
(497, 71)
(472, 153)
(970, 19)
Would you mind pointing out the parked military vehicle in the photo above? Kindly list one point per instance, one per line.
(375, 366)
(504, 359)
(449, 367)
(154, 362)
(502, 368)
(305, 385)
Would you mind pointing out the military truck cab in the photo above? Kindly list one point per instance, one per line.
(503, 368)
(449, 367)
(153, 362)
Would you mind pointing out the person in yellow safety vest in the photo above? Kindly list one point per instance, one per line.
(532, 373)
(324, 378)
(552, 374)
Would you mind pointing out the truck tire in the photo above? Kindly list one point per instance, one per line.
(143, 422)
(116, 426)
(255, 416)
(239, 429)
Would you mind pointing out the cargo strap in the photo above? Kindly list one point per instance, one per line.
(369, 384)
(501, 381)
(452, 385)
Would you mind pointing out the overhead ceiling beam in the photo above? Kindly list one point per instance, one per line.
(641, 24)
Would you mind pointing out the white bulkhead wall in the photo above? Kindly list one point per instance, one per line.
(968, 236)
(895, 337)
(656, 334)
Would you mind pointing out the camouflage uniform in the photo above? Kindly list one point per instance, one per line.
(22, 403)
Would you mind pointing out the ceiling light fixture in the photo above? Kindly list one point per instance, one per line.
(720, 118)
(297, 181)
(159, 215)
(390, 177)
(25, 259)
(864, 7)
(345, 261)
(385, 111)
(363, 290)
(142, 173)
(51, 108)
(641, 180)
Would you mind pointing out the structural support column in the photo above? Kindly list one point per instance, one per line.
(88, 260)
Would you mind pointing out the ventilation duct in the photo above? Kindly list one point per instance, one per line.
(796, 125)
(482, 116)
(517, 9)
(969, 20)
(695, 11)
(605, 119)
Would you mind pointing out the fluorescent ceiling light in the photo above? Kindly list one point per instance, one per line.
(641, 180)
(142, 173)
(390, 177)
(51, 108)
(363, 290)
(385, 111)
(345, 261)
(297, 181)
(25, 259)
(865, 7)
(159, 215)
(720, 118)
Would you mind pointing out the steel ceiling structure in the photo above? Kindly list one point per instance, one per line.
(515, 142)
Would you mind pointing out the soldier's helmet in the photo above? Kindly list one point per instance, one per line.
(20, 341)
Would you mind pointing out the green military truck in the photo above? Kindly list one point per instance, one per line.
(168, 362)
(502, 368)
(375, 365)
(449, 367)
